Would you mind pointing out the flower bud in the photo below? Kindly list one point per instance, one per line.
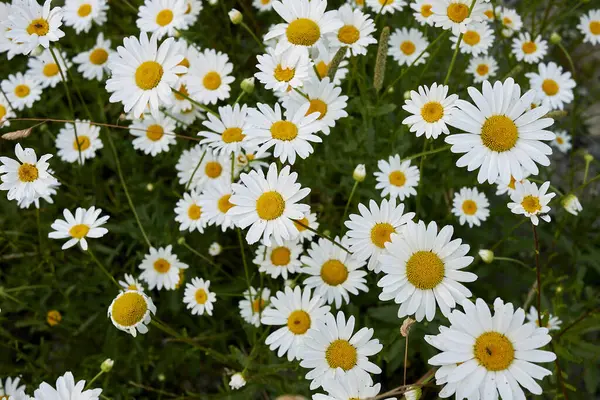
(588, 158)
(247, 85)
(413, 393)
(215, 249)
(507, 32)
(149, 187)
(486, 255)
(235, 16)
(161, 377)
(571, 204)
(107, 365)
(237, 381)
(555, 38)
(406, 95)
(360, 172)
(37, 51)
(181, 241)
(213, 2)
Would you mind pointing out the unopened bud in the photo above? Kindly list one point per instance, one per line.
(247, 85)
(414, 393)
(215, 249)
(406, 325)
(235, 16)
(406, 95)
(161, 377)
(181, 241)
(237, 381)
(149, 187)
(555, 38)
(360, 172)
(572, 204)
(37, 51)
(588, 157)
(486, 255)
(107, 365)
(559, 289)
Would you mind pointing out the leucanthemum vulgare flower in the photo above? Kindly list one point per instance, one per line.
(482, 68)
(192, 11)
(200, 167)
(208, 78)
(263, 5)
(324, 98)
(470, 206)
(531, 201)
(502, 135)
(163, 17)
(32, 24)
(10, 389)
(331, 350)
(93, 63)
(179, 101)
(529, 50)
(252, 159)
(44, 69)
(153, 135)
(431, 109)
(198, 298)
(268, 204)
(369, 232)
(160, 268)
(306, 23)
(227, 131)
(26, 202)
(237, 381)
(455, 15)
(254, 304)
(188, 51)
(349, 387)
(296, 311)
(477, 39)
(131, 283)
(422, 269)
(309, 219)
(333, 273)
(422, 11)
(6, 112)
(143, 72)
(562, 141)
(486, 357)
(279, 259)
(589, 26)
(131, 311)
(553, 87)
(385, 6)
(87, 141)
(356, 33)
(21, 90)
(510, 19)
(397, 178)
(553, 323)
(190, 214)
(281, 72)
(322, 58)
(509, 187)
(406, 45)
(80, 14)
(84, 224)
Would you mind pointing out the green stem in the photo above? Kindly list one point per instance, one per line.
(232, 166)
(538, 274)
(91, 253)
(348, 205)
(242, 250)
(564, 50)
(256, 39)
(320, 234)
(93, 380)
(194, 102)
(206, 259)
(301, 93)
(518, 224)
(428, 152)
(587, 183)
(18, 289)
(187, 186)
(587, 170)
(242, 94)
(513, 261)
(39, 231)
(453, 60)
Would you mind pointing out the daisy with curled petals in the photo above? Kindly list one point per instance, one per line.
(153, 135)
(296, 311)
(431, 110)
(532, 51)
(369, 232)
(502, 136)
(509, 187)
(349, 387)
(84, 224)
(209, 76)
(87, 141)
(190, 214)
(333, 272)
(510, 20)
(263, 5)
(198, 298)
(254, 304)
(227, 131)
(268, 204)
(21, 90)
(386, 6)
(476, 40)
(93, 64)
(32, 25)
(589, 26)
(423, 268)
(422, 11)
(131, 283)
(530, 201)
(131, 311)
(397, 178)
(562, 141)
(306, 24)
(290, 136)
(309, 219)
(331, 351)
(456, 15)
(554, 88)
(322, 58)
(406, 45)
(482, 68)
(10, 389)
(44, 69)
(553, 323)
(356, 33)
(80, 14)
(470, 206)
(281, 72)
(279, 259)
(163, 17)
(489, 357)
(161, 268)
(6, 112)
(214, 201)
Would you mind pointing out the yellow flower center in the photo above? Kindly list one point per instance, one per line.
(284, 130)
(348, 34)
(270, 205)
(381, 233)
(224, 204)
(407, 47)
(471, 38)
(265, 2)
(281, 256)
(483, 69)
(499, 133)
(129, 309)
(317, 105)
(341, 354)
(512, 182)
(164, 17)
(529, 47)
(322, 69)
(50, 70)
(155, 132)
(212, 80)
(531, 204)
(148, 75)
(2, 111)
(425, 270)
(53, 318)
(98, 56)
(360, 2)
(84, 10)
(194, 212)
(558, 138)
(258, 305)
(132, 287)
(507, 21)
(303, 221)
(284, 74)
(28, 172)
(494, 351)
(489, 14)
(426, 10)
(432, 111)
(201, 296)
(397, 178)
(298, 322)
(189, 8)
(231, 135)
(79, 231)
(457, 12)
(333, 272)
(550, 87)
(84, 143)
(184, 92)
(385, 2)
(22, 91)
(38, 27)
(469, 207)
(595, 27)
(184, 63)
(162, 266)
(181, 276)
(303, 32)
(213, 169)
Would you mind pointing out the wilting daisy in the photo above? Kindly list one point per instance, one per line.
(562, 141)
(406, 46)
(87, 141)
(349, 387)
(84, 224)
(268, 204)
(553, 323)
(509, 187)
(44, 69)
(296, 311)
(483, 356)
(131, 283)
(93, 64)
(163, 17)
(161, 268)
(198, 298)
(32, 25)
(482, 68)
(431, 110)
(263, 5)
(331, 350)
(10, 389)
(322, 58)
(143, 72)
(279, 259)
(192, 11)
(554, 88)
(309, 219)
(6, 112)
(209, 76)
(502, 136)
(131, 312)
(333, 272)
(423, 268)
(356, 33)
(529, 50)
(422, 11)
(306, 23)
(254, 304)
(80, 14)
(397, 178)
(227, 131)
(476, 40)
(470, 206)
(153, 135)
(456, 15)
(21, 90)
(572, 204)
(510, 19)
(530, 201)
(190, 214)
(372, 229)
(214, 201)
(283, 71)
(385, 6)
(589, 25)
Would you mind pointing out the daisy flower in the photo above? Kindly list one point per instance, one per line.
(253, 305)
(190, 214)
(32, 25)
(209, 76)
(406, 45)
(554, 88)
(84, 224)
(263, 5)
(163, 17)
(331, 351)
(476, 40)
(80, 14)
(369, 232)
(309, 219)
(530, 201)
(87, 141)
(296, 311)
(283, 71)
(21, 90)
(268, 204)
(10, 389)
(93, 64)
(349, 387)
(142, 73)
(482, 68)
(396, 178)
(589, 25)
(485, 356)
(470, 206)
(153, 135)
(6, 112)
(180, 101)
(44, 69)
(356, 32)
(214, 201)
(227, 132)
(215, 249)
(333, 272)
(562, 141)
(52, 186)
(324, 98)
(423, 268)
(131, 283)
(510, 186)
(553, 323)
(510, 19)
(199, 166)
(279, 259)
(386, 6)
(198, 297)
(131, 311)
(290, 136)
(251, 159)
(532, 51)
(322, 58)
(161, 268)
(423, 11)
(456, 15)
(571, 204)
(431, 110)
(192, 11)
(306, 24)
(502, 136)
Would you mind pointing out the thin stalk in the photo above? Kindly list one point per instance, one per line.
(206, 259)
(513, 261)
(348, 204)
(571, 64)
(538, 275)
(93, 380)
(187, 185)
(559, 374)
(232, 166)
(28, 287)
(405, 357)
(91, 253)
(301, 93)
(256, 39)
(237, 100)
(572, 324)
(82, 101)
(243, 251)
(587, 183)
(39, 231)
(587, 170)
(8, 101)
(453, 60)
(518, 224)
(194, 102)
(428, 152)
(321, 234)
